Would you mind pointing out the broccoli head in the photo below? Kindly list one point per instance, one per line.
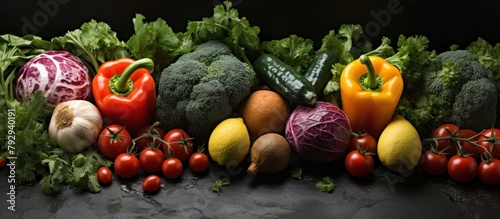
(456, 89)
(202, 88)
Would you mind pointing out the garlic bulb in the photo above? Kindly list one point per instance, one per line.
(75, 124)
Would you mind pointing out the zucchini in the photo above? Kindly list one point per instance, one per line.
(285, 80)
(320, 71)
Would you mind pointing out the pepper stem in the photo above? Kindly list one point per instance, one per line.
(121, 84)
(370, 81)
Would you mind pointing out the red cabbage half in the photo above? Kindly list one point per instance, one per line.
(60, 75)
(318, 134)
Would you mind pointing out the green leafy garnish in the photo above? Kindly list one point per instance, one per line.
(412, 58)
(79, 170)
(226, 26)
(30, 121)
(294, 50)
(296, 173)
(326, 185)
(220, 183)
(84, 168)
(348, 44)
(156, 40)
(58, 168)
(94, 43)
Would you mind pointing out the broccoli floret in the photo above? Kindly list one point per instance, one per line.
(455, 88)
(202, 88)
(489, 56)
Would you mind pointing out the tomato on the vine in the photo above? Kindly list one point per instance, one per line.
(151, 159)
(146, 142)
(489, 140)
(364, 141)
(151, 183)
(359, 164)
(172, 168)
(104, 175)
(489, 171)
(113, 141)
(181, 144)
(462, 169)
(468, 147)
(447, 130)
(126, 165)
(434, 163)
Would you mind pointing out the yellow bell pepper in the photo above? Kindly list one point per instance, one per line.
(370, 89)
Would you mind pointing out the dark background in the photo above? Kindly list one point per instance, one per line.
(443, 23)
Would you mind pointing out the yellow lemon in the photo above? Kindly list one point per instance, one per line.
(229, 142)
(399, 146)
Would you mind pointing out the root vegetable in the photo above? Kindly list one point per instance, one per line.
(270, 153)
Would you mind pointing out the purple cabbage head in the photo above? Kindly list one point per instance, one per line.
(318, 134)
(60, 75)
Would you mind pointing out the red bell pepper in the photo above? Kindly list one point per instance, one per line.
(125, 93)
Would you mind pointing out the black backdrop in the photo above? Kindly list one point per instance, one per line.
(443, 23)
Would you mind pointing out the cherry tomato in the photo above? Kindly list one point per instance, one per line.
(198, 162)
(490, 140)
(468, 147)
(145, 142)
(151, 159)
(358, 164)
(151, 184)
(113, 141)
(104, 175)
(462, 169)
(126, 165)
(434, 163)
(365, 141)
(172, 168)
(180, 142)
(489, 172)
(3, 160)
(444, 130)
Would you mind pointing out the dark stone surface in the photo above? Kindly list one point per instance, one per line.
(383, 194)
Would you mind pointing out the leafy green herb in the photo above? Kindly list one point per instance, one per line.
(450, 75)
(58, 167)
(296, 173)
(326, 185)
(294, 50)
(157, 41)
(30, 120)
(79, 170)
(348, 44)
(488, 55)
(94, 43)
(412, 58)
(225, 25)
(84, 168)
(220, 183)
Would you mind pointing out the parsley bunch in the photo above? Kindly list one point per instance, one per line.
(226, 26)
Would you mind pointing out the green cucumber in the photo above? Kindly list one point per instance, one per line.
(285, 80)
(320, 71)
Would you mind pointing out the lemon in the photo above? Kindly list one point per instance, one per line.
(399, 146)
(229, 142)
